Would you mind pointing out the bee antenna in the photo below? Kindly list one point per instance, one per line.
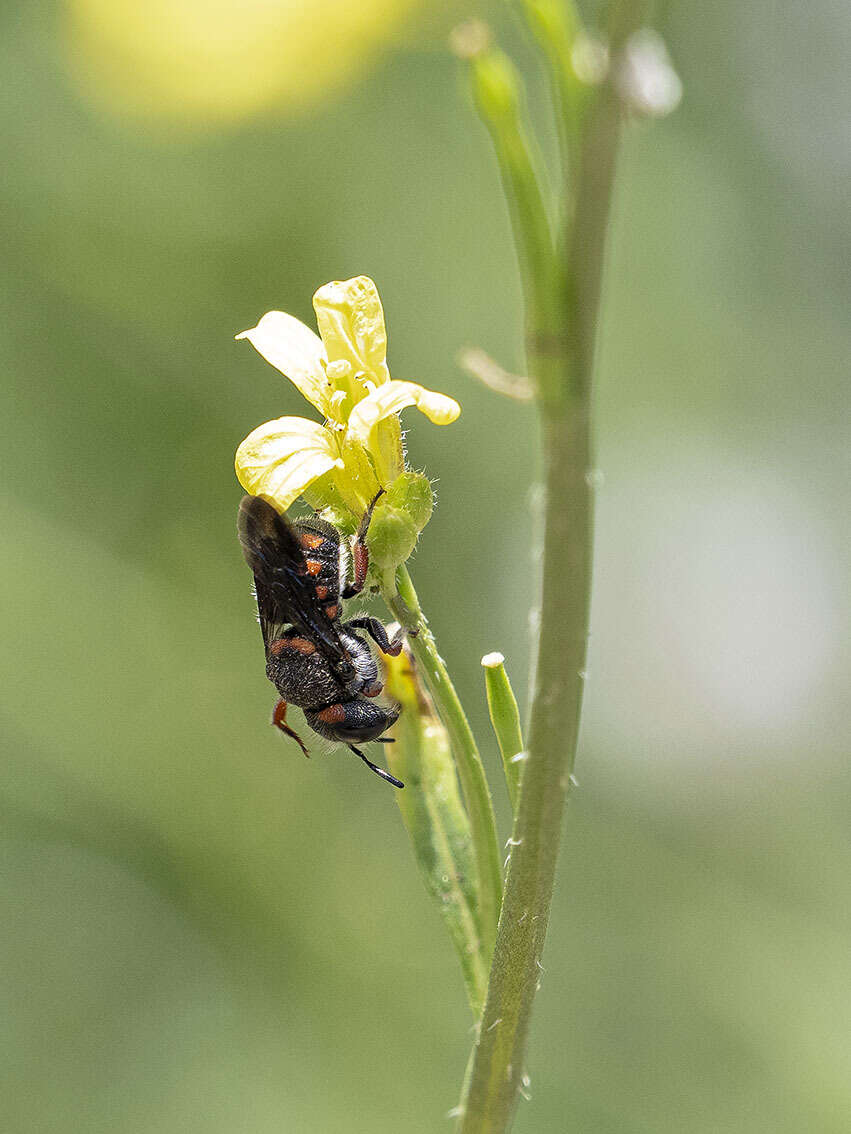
(375, 768)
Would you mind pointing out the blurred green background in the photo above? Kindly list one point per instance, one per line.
(201, 931)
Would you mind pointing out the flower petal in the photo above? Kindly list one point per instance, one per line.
(296, 351)
(351, 323)
(392, 397)
(280, 459)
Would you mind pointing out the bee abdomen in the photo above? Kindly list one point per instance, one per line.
(300, 673)
(320, 543)
(354, 720)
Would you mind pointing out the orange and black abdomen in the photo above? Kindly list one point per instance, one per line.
(320, 544)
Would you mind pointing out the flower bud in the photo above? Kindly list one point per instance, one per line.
(391, 538)
(496, 86)
(646, 80)
(411, 493)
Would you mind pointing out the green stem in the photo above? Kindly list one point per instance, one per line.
(499, 93)
(562, 367)
(402, 600)
(556, 24)
(516, 970)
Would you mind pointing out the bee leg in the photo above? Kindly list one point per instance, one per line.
(376, 631)
(279, 720)
(375, 768)
(360, 555)
(385, 740)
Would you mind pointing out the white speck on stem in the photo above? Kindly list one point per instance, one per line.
(590, 59)
(456, 1112)
(495, 1024)
(493, 661)
(595, 478)
(469, 39)
(513, 842)
(646, 80)
(519, 758)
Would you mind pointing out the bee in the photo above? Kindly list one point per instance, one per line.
(316, 661)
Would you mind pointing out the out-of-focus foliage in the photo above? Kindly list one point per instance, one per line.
(202, 931)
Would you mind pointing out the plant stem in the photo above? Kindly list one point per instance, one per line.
(402, 600)
(561, 365)
(516, 971)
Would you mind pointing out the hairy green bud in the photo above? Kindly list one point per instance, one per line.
(411, 493)
(392, 536)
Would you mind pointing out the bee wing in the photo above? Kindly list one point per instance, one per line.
(284, 594)
(269, 548)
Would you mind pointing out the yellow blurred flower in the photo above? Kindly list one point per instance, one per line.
(217, 61)
(344, 375)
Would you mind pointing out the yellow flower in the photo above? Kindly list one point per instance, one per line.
(344, 375)
(196, 63)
